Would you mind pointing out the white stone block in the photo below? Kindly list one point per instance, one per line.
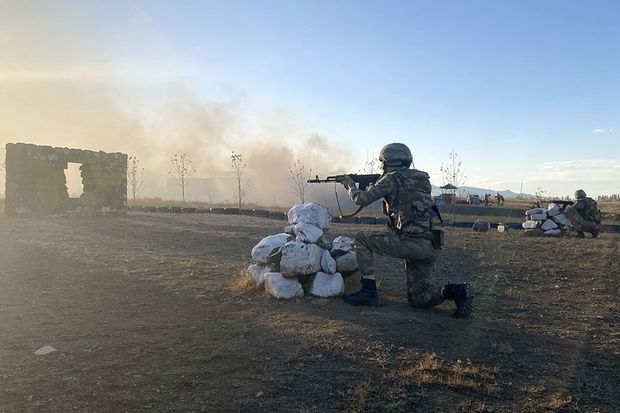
(310, 213)
(559, 219)
(328, 263)
(548, 224)
(553, 232)
(299, 258)
(535, 211)
(307, 232)
(531, 224)
(327, 285)
(280, 287)
(258, 272)
(346, 262)
(539, 217)
(553, 209)
(342, 245)
(269, 246)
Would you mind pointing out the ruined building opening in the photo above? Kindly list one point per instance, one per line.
(48, 180)
(73, 175)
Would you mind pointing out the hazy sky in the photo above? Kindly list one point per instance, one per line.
(523, 90)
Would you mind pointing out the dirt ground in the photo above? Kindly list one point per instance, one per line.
(143, 316)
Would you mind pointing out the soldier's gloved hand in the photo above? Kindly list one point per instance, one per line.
(347, 182)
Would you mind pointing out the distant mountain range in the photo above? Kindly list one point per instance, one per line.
(472, 190)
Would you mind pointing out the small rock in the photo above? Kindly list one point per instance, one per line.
(44, 351)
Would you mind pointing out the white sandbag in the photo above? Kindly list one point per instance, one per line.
(299, 258)
(307, 232)
(328, 263)
(502, 227)
(535, 211)
(258, 272)
(531, 224)
(559, 219)
(346, 262)
(539, 217)
(327, 285)
(553, 209)
(342, 245)
(269, 246)
(481, 226)
(548, 224)
(553, 232)
(280, 287)
(310, 213)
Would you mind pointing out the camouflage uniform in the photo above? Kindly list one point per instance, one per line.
(584, 215)
(408, 203)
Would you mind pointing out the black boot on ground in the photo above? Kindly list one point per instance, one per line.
(581, 234)
(366, 296)
(463, 296)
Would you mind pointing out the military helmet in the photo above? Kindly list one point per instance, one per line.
(580, 193)
(395, 154)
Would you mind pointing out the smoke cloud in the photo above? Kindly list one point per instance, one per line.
(58, 88)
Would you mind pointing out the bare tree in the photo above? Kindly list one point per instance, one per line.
(181, 170)
(452, 172)
(239, 167)
(541, 195)
(371, 165)
(135, 176)
(299, 178)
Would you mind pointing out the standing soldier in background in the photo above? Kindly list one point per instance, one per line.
(500, 199)
(487, 199)
(415, 234)
(584, 215)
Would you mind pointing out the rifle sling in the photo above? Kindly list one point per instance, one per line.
(353, 214)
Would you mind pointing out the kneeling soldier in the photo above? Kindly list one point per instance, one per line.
(415, 234)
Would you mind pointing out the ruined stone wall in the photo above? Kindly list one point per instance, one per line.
(36, 182)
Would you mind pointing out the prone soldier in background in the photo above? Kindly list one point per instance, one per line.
(584, 215)
(415, 235)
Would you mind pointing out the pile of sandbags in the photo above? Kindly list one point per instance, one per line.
(300, 260)
(549, 221)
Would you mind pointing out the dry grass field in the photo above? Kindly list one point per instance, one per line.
(147, 314)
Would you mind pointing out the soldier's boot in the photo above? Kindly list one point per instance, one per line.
(366, 296)
(581, 234)
(463, 296)
(595, 234)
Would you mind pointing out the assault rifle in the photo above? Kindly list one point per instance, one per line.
(562, 204)
(362, 180)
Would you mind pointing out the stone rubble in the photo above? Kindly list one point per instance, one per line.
(550, 222)
(301, 261)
